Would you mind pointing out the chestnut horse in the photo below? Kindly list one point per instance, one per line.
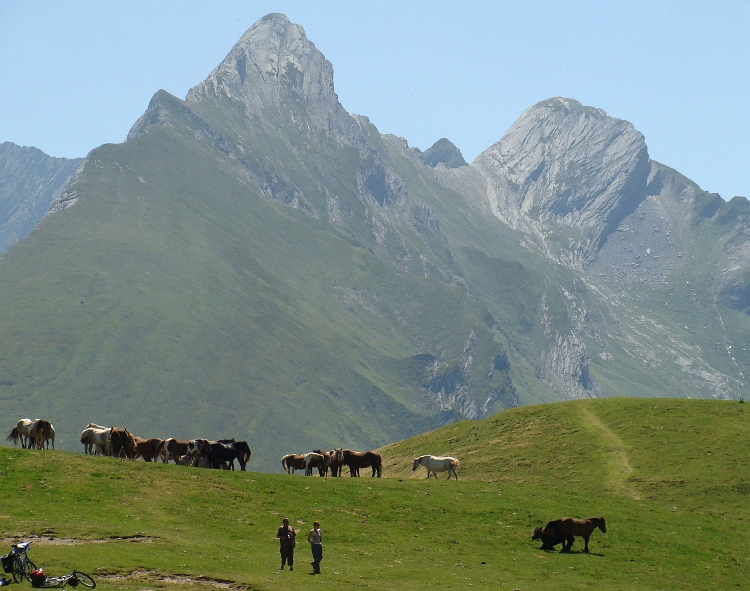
(580, 527)
(292, 462)
(356, 460)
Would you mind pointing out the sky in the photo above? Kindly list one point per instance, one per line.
(78, 74)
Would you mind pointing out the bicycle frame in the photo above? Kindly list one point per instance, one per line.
(22, 564)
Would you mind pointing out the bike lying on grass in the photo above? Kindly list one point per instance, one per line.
(40, 580)
(18, 563)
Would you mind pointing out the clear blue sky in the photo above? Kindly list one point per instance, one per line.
(77, 74)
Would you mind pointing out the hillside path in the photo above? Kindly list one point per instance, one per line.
(616, 456)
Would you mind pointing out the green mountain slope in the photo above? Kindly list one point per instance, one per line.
(254, 262)
(667, 475)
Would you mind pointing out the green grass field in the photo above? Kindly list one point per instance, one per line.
(670, 476)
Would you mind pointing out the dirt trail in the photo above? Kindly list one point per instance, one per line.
(618, 464)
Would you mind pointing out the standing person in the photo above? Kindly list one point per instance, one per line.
(287, 543)
(316, 543)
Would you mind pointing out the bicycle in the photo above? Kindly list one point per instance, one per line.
(19, 562)
(74, 579)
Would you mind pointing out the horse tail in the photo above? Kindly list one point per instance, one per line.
(283, 464)
(378, 464)
(13, 435)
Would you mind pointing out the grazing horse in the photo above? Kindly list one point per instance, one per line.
(583, 528)
(42, 432)
(435, 464)
(356, 460)
(147, 448)
(95, 435)
(314, 460)
(551, 536)
(292, 462)
(122, 442)
(21, 433)
(337, 461)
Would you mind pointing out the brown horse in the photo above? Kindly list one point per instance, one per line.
(41, 433)
(292, 462)
(337, 461)
(551, 536)
(147, 448)
(579, 527)
(122, 442)
(356, 460)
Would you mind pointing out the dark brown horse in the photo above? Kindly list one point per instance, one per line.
(356, 460)
(122, 442)
(583, 528)
(243, 453)
(551, 536)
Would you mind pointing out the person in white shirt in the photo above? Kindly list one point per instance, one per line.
(316, 543)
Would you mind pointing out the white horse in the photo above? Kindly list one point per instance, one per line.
(435, 464)
(96, 436)
(21, 433)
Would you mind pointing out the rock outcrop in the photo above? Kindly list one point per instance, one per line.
(567, 175)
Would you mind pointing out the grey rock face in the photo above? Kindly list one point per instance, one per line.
(272, 66)
(29, 179)
(566, 174)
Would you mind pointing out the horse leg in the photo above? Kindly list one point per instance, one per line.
(586, 540)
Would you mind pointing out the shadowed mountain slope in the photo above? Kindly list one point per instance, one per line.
(29, 180)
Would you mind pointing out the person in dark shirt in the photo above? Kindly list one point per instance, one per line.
(287, 542)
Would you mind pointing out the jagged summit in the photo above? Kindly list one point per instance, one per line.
(274, 65)
(567, 164)
(444, 152)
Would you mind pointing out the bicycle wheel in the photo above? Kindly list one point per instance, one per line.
(30, 566)
(16, 570)
(51, 582)
(84, 579)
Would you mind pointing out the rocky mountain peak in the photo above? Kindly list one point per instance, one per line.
(274, 65)
(562, 164)
(443, 152)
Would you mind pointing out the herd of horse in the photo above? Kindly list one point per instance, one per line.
(333, 462)
(203, 453)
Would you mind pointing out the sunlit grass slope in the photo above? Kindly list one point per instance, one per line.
(670, 476)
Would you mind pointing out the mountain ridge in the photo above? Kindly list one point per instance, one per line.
(254, 252)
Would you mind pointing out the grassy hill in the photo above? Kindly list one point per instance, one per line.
(670, 476)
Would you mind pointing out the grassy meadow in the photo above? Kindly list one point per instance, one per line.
(670, 476)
